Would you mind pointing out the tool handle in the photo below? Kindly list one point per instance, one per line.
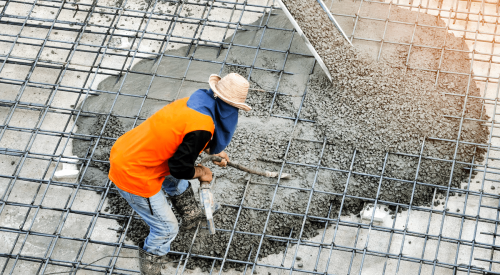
(246, 169)
(205, 185)
(235, 165)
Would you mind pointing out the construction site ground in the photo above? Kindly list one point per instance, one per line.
(260, 139)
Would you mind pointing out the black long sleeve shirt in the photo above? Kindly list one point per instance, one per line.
(181, 164)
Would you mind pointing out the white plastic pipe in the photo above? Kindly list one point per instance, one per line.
(69, 170)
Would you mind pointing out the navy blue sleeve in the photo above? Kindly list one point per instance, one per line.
(181, 164)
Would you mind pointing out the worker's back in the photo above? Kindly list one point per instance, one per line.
(139, 158)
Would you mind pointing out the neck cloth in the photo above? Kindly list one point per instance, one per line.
(225, 117)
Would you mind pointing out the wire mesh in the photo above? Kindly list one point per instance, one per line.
(54, 55)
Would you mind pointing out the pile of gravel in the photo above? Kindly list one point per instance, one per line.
(377, 107)
(380, 105)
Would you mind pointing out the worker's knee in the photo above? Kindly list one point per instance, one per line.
(170, 223)
(174, 227)
(168, 229)
(163, 235)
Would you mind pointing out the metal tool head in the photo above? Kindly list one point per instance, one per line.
(208, 203)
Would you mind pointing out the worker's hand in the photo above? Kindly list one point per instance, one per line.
(225, 159)
(202, 173)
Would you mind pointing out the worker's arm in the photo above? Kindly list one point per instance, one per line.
(181, 164)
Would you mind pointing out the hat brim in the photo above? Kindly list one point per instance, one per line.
(212, 81)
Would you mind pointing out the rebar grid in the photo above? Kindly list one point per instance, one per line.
(20, 143)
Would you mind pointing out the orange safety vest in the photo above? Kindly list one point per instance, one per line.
(139, 158)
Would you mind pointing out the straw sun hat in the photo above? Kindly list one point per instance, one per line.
(232, 89)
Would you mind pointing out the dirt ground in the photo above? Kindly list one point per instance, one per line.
(373, 107)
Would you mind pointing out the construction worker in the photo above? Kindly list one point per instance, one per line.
(160, 154)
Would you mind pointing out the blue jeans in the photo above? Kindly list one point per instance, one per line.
(157, 213)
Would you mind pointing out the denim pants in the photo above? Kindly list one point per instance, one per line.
(157, 213)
